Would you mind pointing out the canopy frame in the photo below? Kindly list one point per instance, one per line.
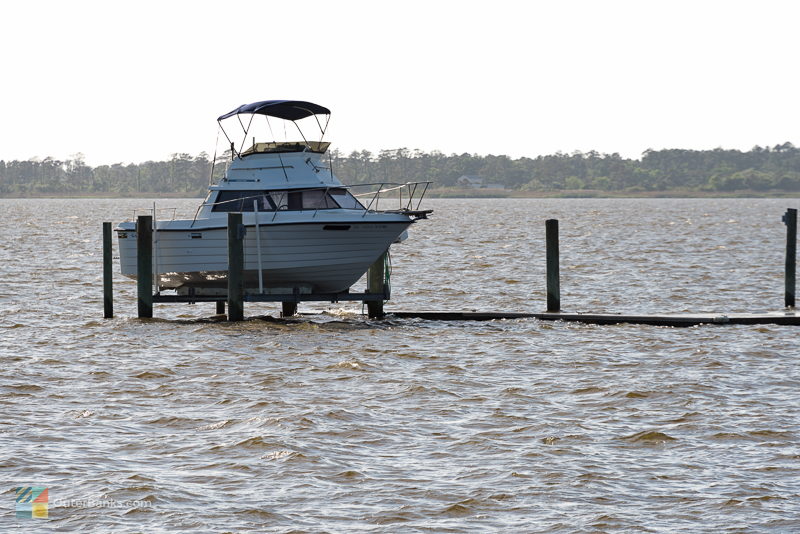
(289, 110)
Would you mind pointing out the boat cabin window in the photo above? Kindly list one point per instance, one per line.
(317, 200)
(243, 201)
(345, 199)
(309, 199)
(280, 199)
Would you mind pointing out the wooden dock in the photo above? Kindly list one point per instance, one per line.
(378, 289)
(676, 320)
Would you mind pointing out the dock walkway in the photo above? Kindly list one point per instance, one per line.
(679, 320)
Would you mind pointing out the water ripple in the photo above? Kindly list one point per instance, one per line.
(329, 422)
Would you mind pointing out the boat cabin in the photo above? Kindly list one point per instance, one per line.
(291, 200)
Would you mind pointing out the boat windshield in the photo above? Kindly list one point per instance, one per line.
(345, 199)
(289, 146)
(306, 199)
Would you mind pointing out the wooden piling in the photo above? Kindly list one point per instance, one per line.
(235, 267)
(220, 307)
(553, 282)
(108, 284)
(376, 283)
(144, 265)
(288, 308)
(790, 219)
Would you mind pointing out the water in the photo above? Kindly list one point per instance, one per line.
(333, 423)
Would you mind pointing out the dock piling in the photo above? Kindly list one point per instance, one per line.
(553, 282)
(220, 307)
(144, 265)
(790, 220)
(376, 283)
(235, 267)
(288, 308)
(108, 277)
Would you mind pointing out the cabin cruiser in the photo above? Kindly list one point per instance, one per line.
(304, 230)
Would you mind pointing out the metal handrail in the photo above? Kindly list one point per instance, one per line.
(151, 210)
(411, 187)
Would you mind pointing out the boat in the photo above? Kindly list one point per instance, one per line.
(305, 231)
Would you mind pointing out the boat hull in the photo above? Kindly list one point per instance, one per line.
(320, 257)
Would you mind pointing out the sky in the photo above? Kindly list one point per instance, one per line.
(126, 82)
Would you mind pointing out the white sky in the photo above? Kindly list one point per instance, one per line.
(132, 81)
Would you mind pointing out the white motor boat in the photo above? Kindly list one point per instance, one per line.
(305, 232)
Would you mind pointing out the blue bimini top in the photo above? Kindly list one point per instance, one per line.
(291, 110)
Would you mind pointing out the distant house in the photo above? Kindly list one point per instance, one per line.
(476, 182)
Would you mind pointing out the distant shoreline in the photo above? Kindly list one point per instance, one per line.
(671, 173)
(587, 193)
(480, 193)
(142, 194)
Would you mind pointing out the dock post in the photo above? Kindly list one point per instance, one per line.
(144, 265)
(553, 283)
(220, 307)
(235, 267)
(790, 220)
(376, 283)
(108, 276)
(288, 308)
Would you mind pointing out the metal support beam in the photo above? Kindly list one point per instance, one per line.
(290, 297)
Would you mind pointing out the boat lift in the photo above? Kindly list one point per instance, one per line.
(378, 287)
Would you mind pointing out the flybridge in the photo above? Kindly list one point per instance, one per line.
(286, 110)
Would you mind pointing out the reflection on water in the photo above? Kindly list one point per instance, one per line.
(335, 423)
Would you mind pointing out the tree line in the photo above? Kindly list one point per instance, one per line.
(719, 170)
(181, 174)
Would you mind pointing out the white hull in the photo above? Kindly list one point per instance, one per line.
(314, 235)
(299, 255)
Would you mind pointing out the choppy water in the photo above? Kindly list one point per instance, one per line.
(333, 423)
